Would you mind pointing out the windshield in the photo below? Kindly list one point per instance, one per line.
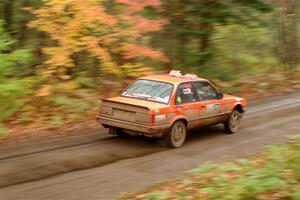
(150, 90)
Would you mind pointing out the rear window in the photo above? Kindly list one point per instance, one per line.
(149, 90)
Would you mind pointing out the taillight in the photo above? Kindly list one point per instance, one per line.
(105, 110)
(159, 118)
(152, 119)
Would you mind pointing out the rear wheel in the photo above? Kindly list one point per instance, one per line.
(233, 122)
(117, 131)
(176, 136)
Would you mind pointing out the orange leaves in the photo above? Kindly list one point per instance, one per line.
(133, 51)
(143, 25)
(102, 54)
(138, 24)
(68, 23)
(97, 14)
(138, 6)
(90, 11)
(59, 60)
(85, 25)
(44, 91)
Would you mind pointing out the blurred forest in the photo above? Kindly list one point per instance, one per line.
(58, 56)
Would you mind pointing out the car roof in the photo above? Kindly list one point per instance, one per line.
(170, 79)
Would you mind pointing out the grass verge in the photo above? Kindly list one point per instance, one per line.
(271, 174)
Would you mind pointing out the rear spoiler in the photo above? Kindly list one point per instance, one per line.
(106, 100)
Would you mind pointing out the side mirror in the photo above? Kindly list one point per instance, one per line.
(220, 95)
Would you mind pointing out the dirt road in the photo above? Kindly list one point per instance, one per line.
(97, 166)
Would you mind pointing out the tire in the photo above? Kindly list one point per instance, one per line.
(176, 136)
(232, 123)
(117, 131)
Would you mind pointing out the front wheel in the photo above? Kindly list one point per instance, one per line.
(177, 135)
(233, 122)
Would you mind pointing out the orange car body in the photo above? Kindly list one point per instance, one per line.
(154, 119)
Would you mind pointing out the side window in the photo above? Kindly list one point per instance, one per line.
(185, 94)
(205, 91)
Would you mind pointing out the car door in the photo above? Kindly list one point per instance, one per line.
(210, 106)
(187, 103)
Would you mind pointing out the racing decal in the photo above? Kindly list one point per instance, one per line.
(214, 107)
(217, 107)
(211, 110)
(210, 107)
(187, 91)
(179, 99)
(190, 110)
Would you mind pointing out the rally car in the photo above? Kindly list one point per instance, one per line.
(167, 106)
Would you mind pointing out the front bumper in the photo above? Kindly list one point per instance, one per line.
(150, 131)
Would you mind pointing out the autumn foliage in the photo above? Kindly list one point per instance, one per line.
(59, 56)
(113, 38)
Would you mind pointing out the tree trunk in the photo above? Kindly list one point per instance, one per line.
(8, 14)
(205, 44)
(287, 28)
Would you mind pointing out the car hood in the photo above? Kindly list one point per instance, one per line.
(138, 102)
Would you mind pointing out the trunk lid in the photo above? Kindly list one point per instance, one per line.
(129, 109)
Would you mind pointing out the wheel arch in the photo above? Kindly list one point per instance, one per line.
(239, 108)
(180, 118)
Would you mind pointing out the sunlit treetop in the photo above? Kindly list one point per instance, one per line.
(114, 38)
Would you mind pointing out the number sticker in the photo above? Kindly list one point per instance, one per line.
(187, 91)
(210, 107)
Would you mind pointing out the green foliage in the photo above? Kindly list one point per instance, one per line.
(85, 82)
(240, 51)
(56, 121)
(8, 106)
(296, 195)
(74, 105)
(62, 101)
(84, 107)
(10, 58)
(133, 70)
(272, 174)
(204, 168)
(12, 96)
(154, 195)
(11, 89)
(193, 24)
(25, 117)
(3, 130)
